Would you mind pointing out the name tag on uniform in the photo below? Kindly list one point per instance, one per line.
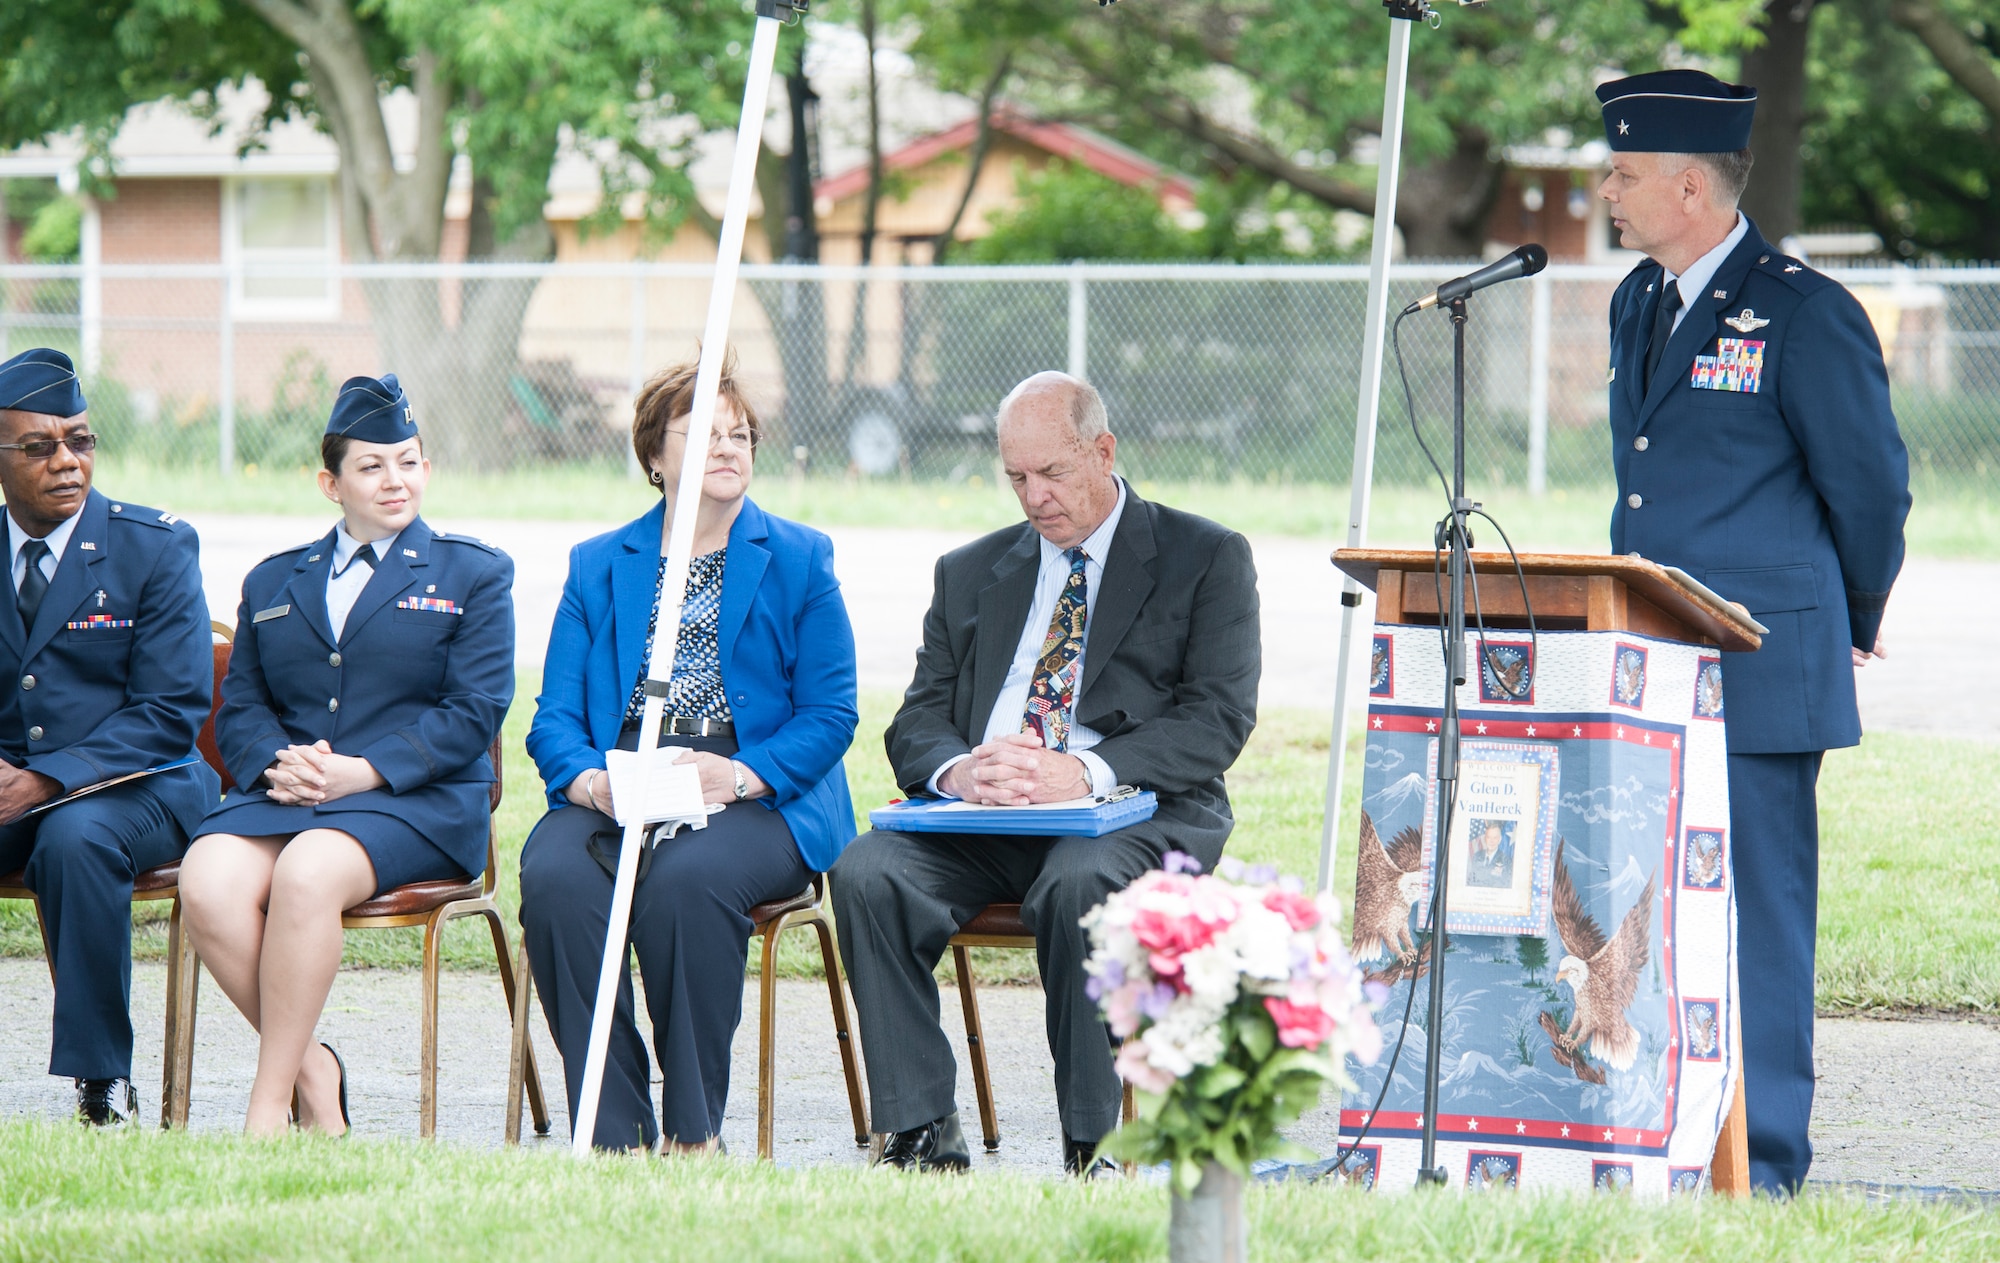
(265, 616)
(1737, 365)
(430, 605)
(99, 622)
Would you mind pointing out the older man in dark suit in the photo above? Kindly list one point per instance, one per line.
(1106, 640)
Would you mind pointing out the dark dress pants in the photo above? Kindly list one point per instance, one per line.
(692, 941)
(899, 897)
(1774, 857)
(80, 860)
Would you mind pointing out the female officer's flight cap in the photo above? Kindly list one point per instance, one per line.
(372, 410)
(1677, 111)
(41, 381)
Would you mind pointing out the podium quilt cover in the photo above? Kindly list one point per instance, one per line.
(1590, 978)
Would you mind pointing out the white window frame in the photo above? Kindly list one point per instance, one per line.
(236, 258)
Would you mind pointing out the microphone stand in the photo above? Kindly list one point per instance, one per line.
(1452, 534)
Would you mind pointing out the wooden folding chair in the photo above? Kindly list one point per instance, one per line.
(773, 918)
(433, 905)
(996, 925)
(162, 882)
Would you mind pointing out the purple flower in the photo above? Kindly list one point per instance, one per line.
(1180, 862)
(1262, 874)
(1154, 1003)
(1113, 974)
(1094, 987)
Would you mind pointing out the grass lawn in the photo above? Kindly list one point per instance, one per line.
(68, 1194)
(1952, 521)
(1909, 872)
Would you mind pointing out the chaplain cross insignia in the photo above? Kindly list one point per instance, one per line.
(1747, 322)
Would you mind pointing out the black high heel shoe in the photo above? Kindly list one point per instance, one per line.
(346, 1123)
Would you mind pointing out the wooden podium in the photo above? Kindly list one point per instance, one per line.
(1571, 592)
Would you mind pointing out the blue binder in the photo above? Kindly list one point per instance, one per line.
(1082, 817)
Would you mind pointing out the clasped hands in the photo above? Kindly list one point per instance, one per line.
(1881, 650)
(1014, 770)
(718, 782)
(307, 776)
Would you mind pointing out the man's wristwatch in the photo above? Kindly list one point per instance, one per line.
(742, 786)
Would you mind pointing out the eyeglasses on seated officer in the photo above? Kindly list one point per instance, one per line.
(42, 449)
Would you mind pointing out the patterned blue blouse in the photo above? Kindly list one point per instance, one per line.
(696, 690)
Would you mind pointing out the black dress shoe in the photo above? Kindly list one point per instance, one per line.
(1082, 1161)
(936, 1146)
(106, 1102)
(346, 1123)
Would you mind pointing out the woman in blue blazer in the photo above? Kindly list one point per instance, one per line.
(762, 699)
(370, 674)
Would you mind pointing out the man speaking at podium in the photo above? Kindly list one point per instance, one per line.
(1754, 448)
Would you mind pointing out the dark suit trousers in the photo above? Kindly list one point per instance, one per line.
(80, 862)
(692, 940)
(1774, 857)
(899, 897)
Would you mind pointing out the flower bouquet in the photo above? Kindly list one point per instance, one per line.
(1236, 1003)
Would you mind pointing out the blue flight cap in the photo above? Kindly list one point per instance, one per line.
(41, 381)
(1677, 111)
(372, 410)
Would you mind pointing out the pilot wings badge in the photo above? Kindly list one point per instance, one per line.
(1747, 322)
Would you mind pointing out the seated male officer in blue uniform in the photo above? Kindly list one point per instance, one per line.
(104, 648)
(1755, 449)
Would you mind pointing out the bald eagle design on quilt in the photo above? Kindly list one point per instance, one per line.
(1603, 974)
(1389, 879)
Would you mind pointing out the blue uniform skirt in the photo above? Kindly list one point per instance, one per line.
(400, 854)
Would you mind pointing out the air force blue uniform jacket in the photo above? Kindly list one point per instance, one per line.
(1784, 489)
(115, 676)
(417, 682)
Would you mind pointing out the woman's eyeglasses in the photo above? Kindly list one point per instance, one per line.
(742, 440)
(42, 449)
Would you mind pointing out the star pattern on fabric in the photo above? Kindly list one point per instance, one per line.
(1378, 721)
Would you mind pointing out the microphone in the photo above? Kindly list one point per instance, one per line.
(1526, 261)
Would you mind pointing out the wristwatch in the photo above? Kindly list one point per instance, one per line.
(742, 786)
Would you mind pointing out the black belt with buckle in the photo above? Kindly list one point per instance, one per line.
(691, 726)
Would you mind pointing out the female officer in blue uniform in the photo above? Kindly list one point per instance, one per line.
(371, 671)
(762, 694)
(1755, 448)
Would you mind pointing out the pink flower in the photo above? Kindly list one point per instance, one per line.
(1299, 912)
(1139, 1072)
(1299, 1025)
(1121, 1008)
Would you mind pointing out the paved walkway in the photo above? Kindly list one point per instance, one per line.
(1929, 684)
(1901, 1103)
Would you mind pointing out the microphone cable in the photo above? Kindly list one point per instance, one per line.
(1437, 941)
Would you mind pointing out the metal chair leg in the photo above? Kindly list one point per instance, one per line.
(842, 1034)
(427, 1072)
(527, 1070)
(767, 1031)
(521, 1051)
(975, 1043)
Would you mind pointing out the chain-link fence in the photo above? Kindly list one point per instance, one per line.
(1209, 372)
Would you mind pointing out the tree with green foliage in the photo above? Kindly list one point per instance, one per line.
(1532, 950)
(503, 83)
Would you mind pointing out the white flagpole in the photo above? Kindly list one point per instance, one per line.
(1366, 412)
(680, 544)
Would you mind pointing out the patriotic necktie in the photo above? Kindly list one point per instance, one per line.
(1052, 695)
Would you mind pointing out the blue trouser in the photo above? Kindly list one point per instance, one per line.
(1774, 856)
(692, 941)
(80, 861)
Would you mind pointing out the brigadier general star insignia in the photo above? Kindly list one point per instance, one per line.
(1747, 322)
